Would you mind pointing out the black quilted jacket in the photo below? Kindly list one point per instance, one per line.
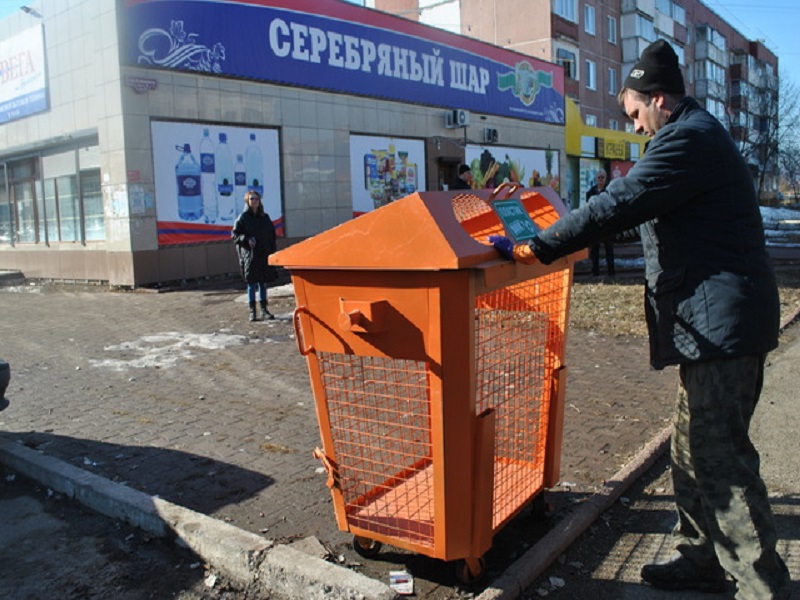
(710, 291)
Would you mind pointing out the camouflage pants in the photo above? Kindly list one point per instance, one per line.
(724, 516)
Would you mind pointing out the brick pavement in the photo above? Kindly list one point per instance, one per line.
(228, 431)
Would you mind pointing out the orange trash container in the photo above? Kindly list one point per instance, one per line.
(437, 370)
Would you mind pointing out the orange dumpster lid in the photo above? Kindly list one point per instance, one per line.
(417, 232)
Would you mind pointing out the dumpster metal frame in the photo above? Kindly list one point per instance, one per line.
(416, 375)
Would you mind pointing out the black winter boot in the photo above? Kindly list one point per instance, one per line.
(682, 574)
(268, 316)
(253, 316)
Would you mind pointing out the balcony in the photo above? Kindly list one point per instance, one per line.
(647, 7)
(706, 88)
(564, 29)
(739, 102)
(707, 51)
(738, 71)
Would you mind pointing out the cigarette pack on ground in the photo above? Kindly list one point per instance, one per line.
(401, 582)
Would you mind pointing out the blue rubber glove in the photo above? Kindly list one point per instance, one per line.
(503, 245)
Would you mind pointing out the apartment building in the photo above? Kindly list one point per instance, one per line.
(598, 41)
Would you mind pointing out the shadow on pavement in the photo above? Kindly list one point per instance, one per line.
(50, 546)
(205, 484)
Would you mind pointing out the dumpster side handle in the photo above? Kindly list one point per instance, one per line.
(298, 331)
(331, 468)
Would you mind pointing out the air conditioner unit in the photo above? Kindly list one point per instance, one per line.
(456, 118)
(490, 135)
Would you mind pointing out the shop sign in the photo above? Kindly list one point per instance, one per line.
(23, 80)
(333, 45)
(612, 150)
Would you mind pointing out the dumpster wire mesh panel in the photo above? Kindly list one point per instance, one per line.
(519, 342)
(379, 411)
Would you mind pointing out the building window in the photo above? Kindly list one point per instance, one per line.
(53, 198)
(94, 221)
(679, 14)
(591, 75)
(704, 33)
(645, 28)
(716, 108)
(588, 19)
(566, 59)
(613, 124)
(629, 128)
(18, 205)
(591, 120)
(679, 51)
(706, 69)
(611, 23)
(663, 7)
(566, 9)
(612, 81)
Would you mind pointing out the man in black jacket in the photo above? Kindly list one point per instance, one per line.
(607, 243)
(462, 181)
(711, 308)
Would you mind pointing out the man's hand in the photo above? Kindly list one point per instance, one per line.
(507, 249)
(503, 245)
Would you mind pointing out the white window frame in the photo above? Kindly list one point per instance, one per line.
(611, 25)
(591, 74)
(588, 19)
(613, 124)
(591, 120)
(566, 9)
(612, 81)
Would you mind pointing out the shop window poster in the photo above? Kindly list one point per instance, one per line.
(383, 169)
(493, 165)
(202, 173)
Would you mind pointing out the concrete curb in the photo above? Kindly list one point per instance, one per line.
(244, 557)
(520, 575)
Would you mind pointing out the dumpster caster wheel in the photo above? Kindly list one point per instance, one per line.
(539, 509)
(366, 547)
(470, 570)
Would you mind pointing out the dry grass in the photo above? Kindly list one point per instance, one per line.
(618, 308)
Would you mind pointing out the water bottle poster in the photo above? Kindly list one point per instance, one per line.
(202, 172)
(493, 165)
(383, 169)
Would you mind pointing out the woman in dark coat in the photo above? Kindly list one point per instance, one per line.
(254, 236)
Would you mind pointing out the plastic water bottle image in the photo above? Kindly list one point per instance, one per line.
(239, 179)
(254, 164)
(223, 165)
(208, 178)
(187, 176)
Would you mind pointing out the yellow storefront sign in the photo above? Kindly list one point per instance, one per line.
(614, 150)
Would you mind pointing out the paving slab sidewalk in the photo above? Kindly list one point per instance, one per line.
(177, 396)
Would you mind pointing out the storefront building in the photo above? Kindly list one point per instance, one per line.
(130, 130)
(591, 149)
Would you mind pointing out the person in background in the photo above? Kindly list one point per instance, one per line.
(463, 181)
(254, 236)
(607, 243)
(711, 304)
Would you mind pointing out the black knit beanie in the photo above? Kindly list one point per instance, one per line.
(657, 71)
